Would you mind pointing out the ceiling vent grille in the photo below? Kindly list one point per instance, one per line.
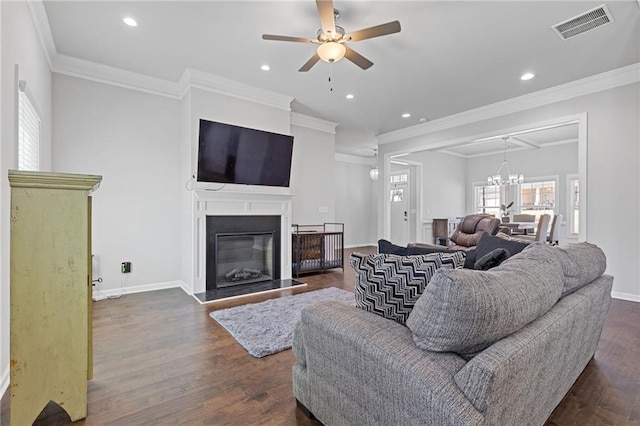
(582, 23)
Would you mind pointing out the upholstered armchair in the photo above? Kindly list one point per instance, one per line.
(469, 231)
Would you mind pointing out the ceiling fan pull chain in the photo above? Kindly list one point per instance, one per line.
(330, 75)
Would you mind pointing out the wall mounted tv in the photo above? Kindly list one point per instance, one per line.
(233, 154)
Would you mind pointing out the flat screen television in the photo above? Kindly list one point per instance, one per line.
(234, 154)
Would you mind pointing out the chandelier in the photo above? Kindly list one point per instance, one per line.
(503, 176)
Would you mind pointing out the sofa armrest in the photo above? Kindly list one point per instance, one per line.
(523, 377)
(360, 368)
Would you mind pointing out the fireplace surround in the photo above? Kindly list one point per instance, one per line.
(245, 203)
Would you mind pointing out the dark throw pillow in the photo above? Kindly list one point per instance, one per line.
(470, 261)
(389, 285)
(489, 243)
(387, 247)
(492, 259)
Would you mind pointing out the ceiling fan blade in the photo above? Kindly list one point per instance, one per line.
(327, 20)
(311, 62)
(376, 31)
(357, 58)
(287, 38)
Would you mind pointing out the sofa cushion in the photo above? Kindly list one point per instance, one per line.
(491, 259)
(489, 243)
(581, 264)
(389, 285)
(465, 311)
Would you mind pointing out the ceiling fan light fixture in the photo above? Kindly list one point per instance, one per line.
(331, 51)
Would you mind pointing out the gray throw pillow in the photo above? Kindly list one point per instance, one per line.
(389, 285)
(465, 311)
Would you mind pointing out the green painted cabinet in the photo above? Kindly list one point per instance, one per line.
(50, 351)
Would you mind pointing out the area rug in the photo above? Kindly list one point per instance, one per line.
(266, 328)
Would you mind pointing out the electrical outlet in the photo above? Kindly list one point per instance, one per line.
(125, 267)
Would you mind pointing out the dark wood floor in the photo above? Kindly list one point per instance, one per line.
(160, 359)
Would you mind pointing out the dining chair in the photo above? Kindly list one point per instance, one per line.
(541, 232)
(554, 233)
(522, 218)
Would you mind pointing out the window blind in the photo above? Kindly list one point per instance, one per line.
(28, 134)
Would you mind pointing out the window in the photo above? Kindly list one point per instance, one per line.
(397, 195)
(399, 178)
(28, 134)
(487, 199)
(538, 198)
(573, 221)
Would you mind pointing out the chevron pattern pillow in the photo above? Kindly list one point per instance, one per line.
(389, 285)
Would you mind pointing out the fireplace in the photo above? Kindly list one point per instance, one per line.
(242, 250)
(243, 258)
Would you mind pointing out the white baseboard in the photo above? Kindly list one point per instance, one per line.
(625, 296)
(4, 382)
(116, 292)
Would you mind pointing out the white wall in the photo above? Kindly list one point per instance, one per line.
(312, 176)
(132, 139)
(613, 178)
(444, 187)
(20, 46)
(443, 190)
(356, 200)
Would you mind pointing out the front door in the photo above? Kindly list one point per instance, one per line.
(399, 200)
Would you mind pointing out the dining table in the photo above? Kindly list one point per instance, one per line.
(525, 227)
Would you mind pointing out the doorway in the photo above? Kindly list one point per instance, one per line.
(399, 207)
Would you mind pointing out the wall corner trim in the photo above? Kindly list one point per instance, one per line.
(314, 123)
(41, 23)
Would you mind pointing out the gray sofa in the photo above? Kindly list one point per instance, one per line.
(497, 347)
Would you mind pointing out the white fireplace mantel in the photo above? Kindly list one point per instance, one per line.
(270, 202)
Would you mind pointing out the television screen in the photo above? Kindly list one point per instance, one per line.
(233, 154)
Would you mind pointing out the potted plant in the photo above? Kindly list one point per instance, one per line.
(505, 211)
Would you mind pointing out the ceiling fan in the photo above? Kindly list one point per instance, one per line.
(332, 39)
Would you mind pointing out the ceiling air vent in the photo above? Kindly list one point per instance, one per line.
(584, 22)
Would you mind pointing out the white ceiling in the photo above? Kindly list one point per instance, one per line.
(449, 57)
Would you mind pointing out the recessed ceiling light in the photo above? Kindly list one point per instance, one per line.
(350, 96)
(406, 115)
(265, 67)
(130, 21)
(527, 76)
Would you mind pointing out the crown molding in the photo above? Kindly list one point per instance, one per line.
(599, 82)
(88, 70)
(41, 22)
(192, 78)
(314, 123)
(355, 159)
